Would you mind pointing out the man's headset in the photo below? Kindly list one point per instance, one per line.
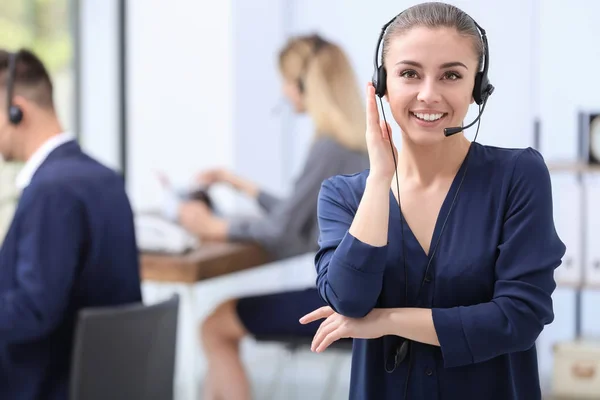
(318, 44)
(482, 89)
(15, 114)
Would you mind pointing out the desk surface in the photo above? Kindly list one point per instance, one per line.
(211, 260)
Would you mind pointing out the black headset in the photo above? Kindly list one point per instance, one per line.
(15, 114)
(481, 90)
(318, 44)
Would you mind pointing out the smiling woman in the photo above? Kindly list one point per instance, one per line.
(465, 230)
(43, 26)
(436, 90)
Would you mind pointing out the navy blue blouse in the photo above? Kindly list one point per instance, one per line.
(489, 284)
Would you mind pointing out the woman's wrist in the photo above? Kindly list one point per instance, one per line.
(376, 184)
(244, 186)
(379, 181)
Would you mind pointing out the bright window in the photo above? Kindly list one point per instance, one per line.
(45, 27)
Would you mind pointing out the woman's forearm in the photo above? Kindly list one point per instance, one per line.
(411, 323)
(370, 224)
(245, 186)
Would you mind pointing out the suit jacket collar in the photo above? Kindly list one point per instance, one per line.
(40, 156)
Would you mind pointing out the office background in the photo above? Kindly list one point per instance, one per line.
(182, 85)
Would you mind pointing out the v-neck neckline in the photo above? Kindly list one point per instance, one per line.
(443, 212)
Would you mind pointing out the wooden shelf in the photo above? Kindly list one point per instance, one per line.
(569, 166)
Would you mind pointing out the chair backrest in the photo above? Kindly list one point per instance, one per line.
(125, 352)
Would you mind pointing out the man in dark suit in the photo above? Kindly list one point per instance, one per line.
(70, 245)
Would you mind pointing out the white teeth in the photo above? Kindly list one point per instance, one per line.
(428, 117)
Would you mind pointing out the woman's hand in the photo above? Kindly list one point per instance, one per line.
(197, 218)
(337, 327)
(221, 175)
(379, 141)
(216, 175)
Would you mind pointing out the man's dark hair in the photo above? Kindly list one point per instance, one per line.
(31, 79)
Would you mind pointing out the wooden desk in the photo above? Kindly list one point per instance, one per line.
(211, 260)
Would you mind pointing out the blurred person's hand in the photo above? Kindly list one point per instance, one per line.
(198, 219)
(216, 175)
(222, 175)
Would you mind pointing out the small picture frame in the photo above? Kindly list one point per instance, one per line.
(589, 137)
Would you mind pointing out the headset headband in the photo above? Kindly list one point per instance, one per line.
(15, 114)
(10, 80)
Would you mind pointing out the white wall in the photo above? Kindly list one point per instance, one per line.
(98, 28)
(568, 70)
(180, 63)
(201, 94)
(259, 120)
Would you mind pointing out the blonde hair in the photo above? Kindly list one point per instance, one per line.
(331, 94)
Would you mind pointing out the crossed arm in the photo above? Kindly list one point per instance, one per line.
(350, 277)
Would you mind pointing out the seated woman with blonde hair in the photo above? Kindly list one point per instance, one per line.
(318, 80)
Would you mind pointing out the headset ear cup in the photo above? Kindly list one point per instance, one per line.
(489, 89)
(381, 84)
(477, 88)
(15, 114)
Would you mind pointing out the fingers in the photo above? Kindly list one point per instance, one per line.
(319, 313)
(372, 113)
(217, 175)
(184, 206)
(329, 339)
(202, 179)
(326, 326)
(323, 331)
(386, 130)
(184, 214)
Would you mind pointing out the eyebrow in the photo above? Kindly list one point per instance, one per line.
(445, 65)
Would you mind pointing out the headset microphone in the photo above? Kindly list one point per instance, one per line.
(456, 129)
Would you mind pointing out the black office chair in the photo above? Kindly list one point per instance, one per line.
(125, 352)
(294, 344)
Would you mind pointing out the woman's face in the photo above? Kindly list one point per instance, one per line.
(430, 78)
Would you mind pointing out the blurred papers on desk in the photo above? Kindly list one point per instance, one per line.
(156, 234)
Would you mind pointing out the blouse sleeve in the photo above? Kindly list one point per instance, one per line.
(349, 272)
(267, 201)
(528, 253)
